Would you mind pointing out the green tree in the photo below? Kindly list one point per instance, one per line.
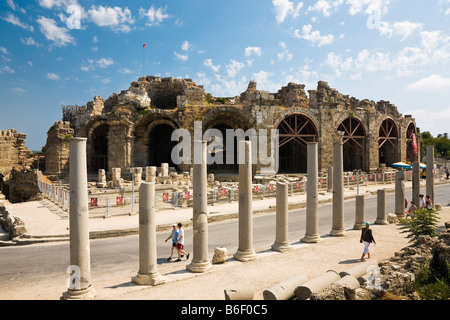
(425, 222)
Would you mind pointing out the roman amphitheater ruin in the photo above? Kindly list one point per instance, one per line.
(133, 128)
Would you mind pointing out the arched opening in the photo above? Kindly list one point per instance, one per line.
(160, 145)
(222, 152)
(353, 148)
(411, 152)
(388, 142)
(295, 131)
(99, 148)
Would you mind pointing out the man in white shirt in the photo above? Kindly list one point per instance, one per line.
(180, 243)
(422, 205)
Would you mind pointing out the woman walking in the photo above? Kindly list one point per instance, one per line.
(366, 239)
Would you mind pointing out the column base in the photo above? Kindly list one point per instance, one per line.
(359, 226)
(148, 279)
(337, 233)
(199, 267)
(281, 247)
(381, 221)
(401, 216)
(245, 256)
(84, 294)
(310, 238)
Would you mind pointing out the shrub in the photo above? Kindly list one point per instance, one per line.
(425, 222)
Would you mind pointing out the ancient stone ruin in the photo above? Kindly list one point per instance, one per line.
(133, 128)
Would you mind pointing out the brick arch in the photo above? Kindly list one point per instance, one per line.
(144, 152)
(234, 117)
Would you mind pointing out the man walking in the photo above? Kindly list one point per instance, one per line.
(180, 243)
(174, 236)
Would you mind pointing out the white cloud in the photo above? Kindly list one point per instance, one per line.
(447, 12)
(48, 4)
(11, 18)
(105, 62)
(252, 50)
(7, 69)
(284, 8)
(403, 29)
(435, 82)
(155, 15)
(325, 6)
(59, 35)
(115, 17)
(285, 55)
(182, 57)
(52, 76)
(371, 6)
(186, 45)
(233, 68)
(209, 63)
(3, 50)
(434, 49)
(313, 36)
(18, 90)
(30, 42)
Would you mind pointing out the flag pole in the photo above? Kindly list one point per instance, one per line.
(143, 60)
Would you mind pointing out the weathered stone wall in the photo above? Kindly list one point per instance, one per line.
(56, 148)
(132, 114)
(13, 152)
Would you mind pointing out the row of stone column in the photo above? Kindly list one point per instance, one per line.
(80, 286)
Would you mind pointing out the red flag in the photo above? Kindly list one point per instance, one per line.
(414, 143)
(143, 46)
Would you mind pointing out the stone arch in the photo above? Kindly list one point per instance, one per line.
(152, 139)
(388, 135)
(354, 143)
(97, 145)
(223, 119)
(295, 130)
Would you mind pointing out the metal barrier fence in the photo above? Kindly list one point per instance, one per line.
(119, 201)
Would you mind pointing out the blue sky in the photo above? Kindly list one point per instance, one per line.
(55, 52)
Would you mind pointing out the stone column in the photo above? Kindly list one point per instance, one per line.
(200, 261)
(338, 187)
(150, 174)
(416, 183)
(80, 258)
(430, 175)
(312, 221)
(148, 267)
(164, 169)
(281, 236)
(245, 250)
(330, 179)
(381, 207)
(116, 176)
(137, 176)
(360, 212)
(400, 194)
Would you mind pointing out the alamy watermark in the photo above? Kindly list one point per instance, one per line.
(221, 150)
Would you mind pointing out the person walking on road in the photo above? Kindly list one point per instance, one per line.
(180, 243)
(366, 239)
(174, 236)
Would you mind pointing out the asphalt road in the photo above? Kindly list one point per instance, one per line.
(46, 261)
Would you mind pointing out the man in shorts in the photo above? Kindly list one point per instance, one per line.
(174, 236)
(180, 243)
